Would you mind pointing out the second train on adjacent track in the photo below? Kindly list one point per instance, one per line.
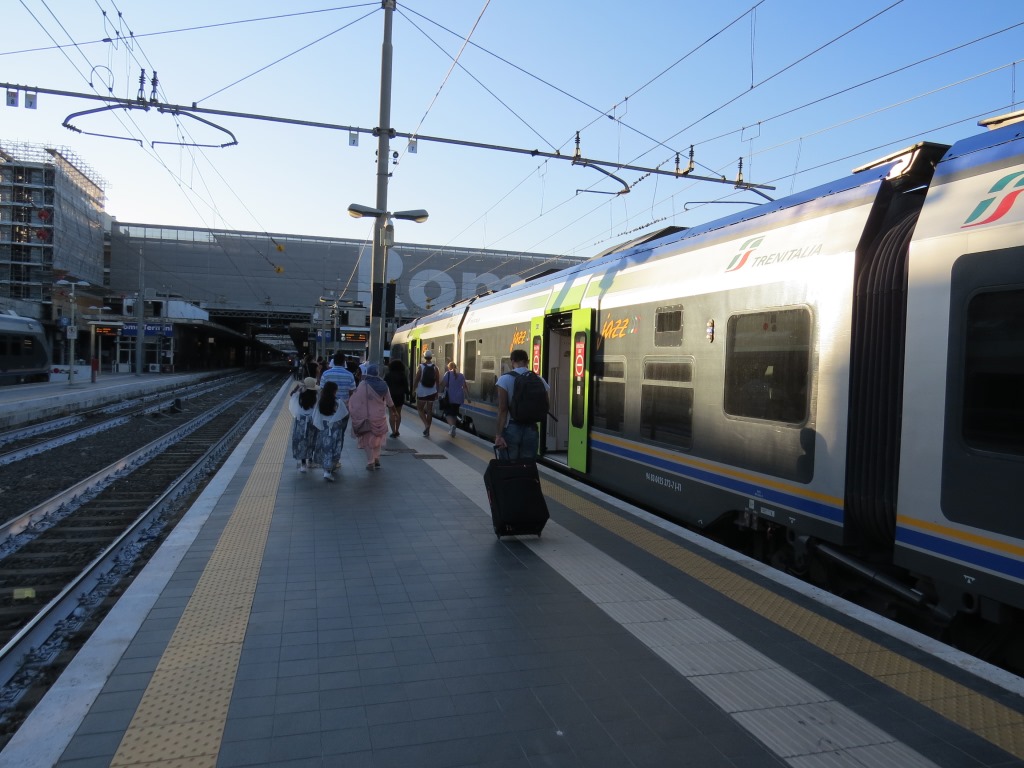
(838, 374)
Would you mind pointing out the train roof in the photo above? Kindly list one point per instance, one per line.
(995, 144)
(915, 164)
(11, 321)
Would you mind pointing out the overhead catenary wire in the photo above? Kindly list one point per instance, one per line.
(160, 161)
(179, 180)
(758, 152)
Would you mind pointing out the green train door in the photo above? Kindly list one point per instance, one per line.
(579, 395)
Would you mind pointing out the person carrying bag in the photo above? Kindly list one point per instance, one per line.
(368, 409)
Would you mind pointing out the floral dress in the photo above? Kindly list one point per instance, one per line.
(330, 436)
(303, 433)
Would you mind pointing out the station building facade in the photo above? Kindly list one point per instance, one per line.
(308, 293)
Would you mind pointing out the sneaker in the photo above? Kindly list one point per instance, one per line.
(302, 468)
(452, 431)
(328, 477)
(369, 467)
(426, 433)
(376, 463)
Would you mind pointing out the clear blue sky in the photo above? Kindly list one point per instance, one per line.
(802, 90)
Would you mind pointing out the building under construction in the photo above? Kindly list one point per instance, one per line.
(52, 224)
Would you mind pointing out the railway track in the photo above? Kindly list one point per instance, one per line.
(65, 559)
(22, 442)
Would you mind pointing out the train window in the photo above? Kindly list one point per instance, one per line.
(767, 365)
(666, 402)
(469, 360)
(448, 355)
(609, 394)
(668, 327)
(993, 416)
(666, 371)
(488, 379)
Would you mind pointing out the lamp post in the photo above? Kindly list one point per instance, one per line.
(72, 329)
(384, 237)
(99, 337)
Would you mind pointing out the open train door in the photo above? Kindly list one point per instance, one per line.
(579, 395)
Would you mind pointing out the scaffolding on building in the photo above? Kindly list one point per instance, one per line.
(51, 222)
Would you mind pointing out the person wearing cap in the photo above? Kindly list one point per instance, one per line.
(301, 405)
(426, 394)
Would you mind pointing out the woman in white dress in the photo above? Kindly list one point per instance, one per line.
(302, 406)
(330, 419)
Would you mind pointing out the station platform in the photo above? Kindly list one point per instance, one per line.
(378, 622)
(22, 403)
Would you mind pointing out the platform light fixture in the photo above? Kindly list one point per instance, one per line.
(384, 238)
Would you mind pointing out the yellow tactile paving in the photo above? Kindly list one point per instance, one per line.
(180, 720)
(994, 722)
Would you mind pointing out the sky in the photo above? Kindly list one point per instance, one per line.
(800, 91)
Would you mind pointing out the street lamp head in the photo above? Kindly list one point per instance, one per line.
(418, 215)
(72, 283)
(357, 211)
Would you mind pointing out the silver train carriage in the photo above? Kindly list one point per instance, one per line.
(837, 373)
(24, 354)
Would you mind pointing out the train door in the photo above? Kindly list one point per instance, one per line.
(416, 349)
(577, 416)
(549, 345)
(558, 342)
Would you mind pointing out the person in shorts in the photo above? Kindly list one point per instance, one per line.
(454, 395)
(426, 394)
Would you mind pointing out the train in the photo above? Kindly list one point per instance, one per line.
(24, 350)
(834, 379)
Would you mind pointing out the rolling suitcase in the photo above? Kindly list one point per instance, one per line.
(516, 499)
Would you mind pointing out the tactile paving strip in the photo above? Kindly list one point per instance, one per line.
(180, 720)
(979, 714)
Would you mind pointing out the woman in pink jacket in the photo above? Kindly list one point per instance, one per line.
(368, 407)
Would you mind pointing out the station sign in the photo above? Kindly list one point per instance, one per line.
(150, 329)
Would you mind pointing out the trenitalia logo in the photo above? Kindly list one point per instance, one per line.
(1004, 194)
(747, 258)
(745, 250)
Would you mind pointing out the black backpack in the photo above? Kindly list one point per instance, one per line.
(429, 376)
(529, 401)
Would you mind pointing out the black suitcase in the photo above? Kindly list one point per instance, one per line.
(514, 493)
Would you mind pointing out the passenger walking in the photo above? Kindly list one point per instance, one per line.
(522, 403)
(368, 411)
(310, 368)
(425, 383)
(302, 405)
(397, 380)
(453, 396)
(330, 419)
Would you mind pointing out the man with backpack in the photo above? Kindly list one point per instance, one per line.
(425, 384)
(522, 404)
